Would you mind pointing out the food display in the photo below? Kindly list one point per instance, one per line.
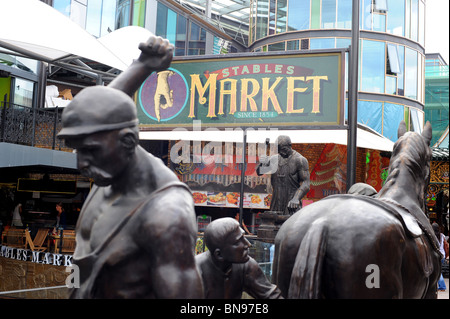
(199, 198)
(216, 198)
(231, 199)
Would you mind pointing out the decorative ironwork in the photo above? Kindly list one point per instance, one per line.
(30, 126)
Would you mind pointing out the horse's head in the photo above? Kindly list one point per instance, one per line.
(413, 150)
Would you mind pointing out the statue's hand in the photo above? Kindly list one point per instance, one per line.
(264, 160)
(293, 205)
(156, 53)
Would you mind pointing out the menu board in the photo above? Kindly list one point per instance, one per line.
(231, 199)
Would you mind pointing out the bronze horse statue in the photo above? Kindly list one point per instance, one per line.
(355, 246)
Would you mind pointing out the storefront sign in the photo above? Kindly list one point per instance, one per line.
(45, 258)
(288, 90)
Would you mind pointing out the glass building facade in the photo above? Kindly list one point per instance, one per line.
(391, 61)
(168, 21)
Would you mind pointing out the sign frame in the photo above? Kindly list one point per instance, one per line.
(337, 123)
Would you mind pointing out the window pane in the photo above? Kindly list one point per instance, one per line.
(281, 15)
(321, 43)
(414, 19)
(93, 18)
(370, 113)
(343, 42)
(381, 5)
(181, 36)
(401, 74)
(292, 45)
(123, 14)
(416, 120)
(344, 14)
(139, 13)
(373, 64)
(393, 114)
(161, 22)
(328, 14)
(171, 26)
(410, 73)
(272, 17)
(108, 16)
(315, 14)
(23, 92)
(421, 23)
(367, 14)
(396, 17)
(298, 15)
(393, 65)
(262, 18)
(391, 84)
(379, 22)
(276, 46)
(62, 6)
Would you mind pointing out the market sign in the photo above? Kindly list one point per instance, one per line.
(282, 89)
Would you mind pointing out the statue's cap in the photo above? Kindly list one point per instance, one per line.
(96, 109)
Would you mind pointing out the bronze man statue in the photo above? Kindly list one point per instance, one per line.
(136, 232)
(226, 268)
(289, 177)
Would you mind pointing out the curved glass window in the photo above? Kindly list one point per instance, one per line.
(123, 14)
(281, 16)
(396, 17)
(262, 18)
(414, 19)
(280, 46)
(328, 14)
(344, 14)
(410, 73)
(393, 114)
(298, 15)
(417, 118)
(372, 66)
(321, 43)
(370, 114)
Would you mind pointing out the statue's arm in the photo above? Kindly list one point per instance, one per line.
(302, 168)
(156, 55)
(256, 283)
(303, 171)
(170, 238)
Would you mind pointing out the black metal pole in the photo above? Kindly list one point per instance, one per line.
(244, 167)
(353, 97)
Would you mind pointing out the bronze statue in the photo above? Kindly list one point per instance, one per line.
(226, 268)
(289, 177)
(362, 189)
(351, 246)
(136, 233)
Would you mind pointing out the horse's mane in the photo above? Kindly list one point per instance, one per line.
(410, 152)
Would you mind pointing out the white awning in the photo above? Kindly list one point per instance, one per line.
(38, 31)
(366, 137)
(124, 42)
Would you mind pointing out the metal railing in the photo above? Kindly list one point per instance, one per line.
(30, 126)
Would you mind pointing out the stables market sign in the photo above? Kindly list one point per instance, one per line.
(281, 89)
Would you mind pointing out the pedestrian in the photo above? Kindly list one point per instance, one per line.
(17, 216)
(441, 238)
